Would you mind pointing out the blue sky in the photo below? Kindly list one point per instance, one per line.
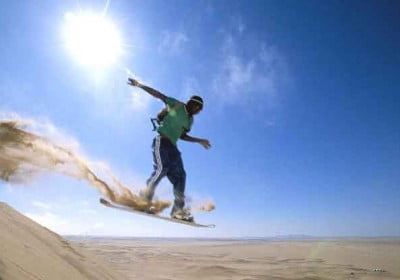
(302, 108)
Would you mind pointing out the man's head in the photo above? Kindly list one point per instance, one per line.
(194, 105)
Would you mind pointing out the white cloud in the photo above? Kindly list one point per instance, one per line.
(140, 101)
(85, 203)
(41, 205)
(50, 221)
(67, 216)
(9, 188)
(250, 75)
(88, 211)
(173, 42)
(62, 225)
(98, 225)
(239, 72)
(241, 27)
(191, 86)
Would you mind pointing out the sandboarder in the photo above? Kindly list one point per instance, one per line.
(175, 121)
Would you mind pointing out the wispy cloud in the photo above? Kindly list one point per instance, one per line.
(240, 26)
(140, 102)
(41, 205)
(113, 101)
(191, 86)
(249, 75)
(51, 221)
(172, 42)
(86, 221)
(88, 211)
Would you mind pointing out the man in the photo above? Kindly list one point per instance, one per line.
(175, 121)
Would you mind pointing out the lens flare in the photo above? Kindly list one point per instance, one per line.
(93, 40)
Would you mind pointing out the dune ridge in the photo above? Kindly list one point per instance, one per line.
(31, 251)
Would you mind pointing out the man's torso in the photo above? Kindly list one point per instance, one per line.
(176, 121)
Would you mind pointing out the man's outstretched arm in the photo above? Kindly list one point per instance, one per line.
(151, 91)
(204, 142)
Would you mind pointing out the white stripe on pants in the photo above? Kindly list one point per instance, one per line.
(158, 163)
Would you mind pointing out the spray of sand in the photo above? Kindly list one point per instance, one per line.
(25, 154)
(208, 206)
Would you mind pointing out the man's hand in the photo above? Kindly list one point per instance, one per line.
(205, 143)
(133, 82)
(151, 91)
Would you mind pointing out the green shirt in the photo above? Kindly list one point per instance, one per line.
(176, 122)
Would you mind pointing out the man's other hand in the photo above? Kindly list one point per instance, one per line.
(205, 143)
(133, 82)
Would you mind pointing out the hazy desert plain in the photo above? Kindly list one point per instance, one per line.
(274, 258)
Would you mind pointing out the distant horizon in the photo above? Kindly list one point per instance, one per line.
(287, 237)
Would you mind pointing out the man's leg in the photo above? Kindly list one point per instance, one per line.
(159, 157)
(177, 176)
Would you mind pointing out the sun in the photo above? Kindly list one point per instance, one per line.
(93, 40)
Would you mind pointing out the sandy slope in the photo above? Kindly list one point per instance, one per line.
(30, 251)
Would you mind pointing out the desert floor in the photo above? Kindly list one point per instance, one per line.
(248, 259)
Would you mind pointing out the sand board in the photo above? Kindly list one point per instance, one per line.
(111, 205)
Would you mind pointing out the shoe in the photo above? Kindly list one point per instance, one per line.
(151, 210)
(145, 195)
(182, 214)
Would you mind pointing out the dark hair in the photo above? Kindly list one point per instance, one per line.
(196, 100)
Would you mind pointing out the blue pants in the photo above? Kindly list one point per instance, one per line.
(168, 162)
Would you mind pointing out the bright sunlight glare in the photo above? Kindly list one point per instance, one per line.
(93, 40)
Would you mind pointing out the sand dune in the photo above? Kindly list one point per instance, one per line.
(30, 251)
